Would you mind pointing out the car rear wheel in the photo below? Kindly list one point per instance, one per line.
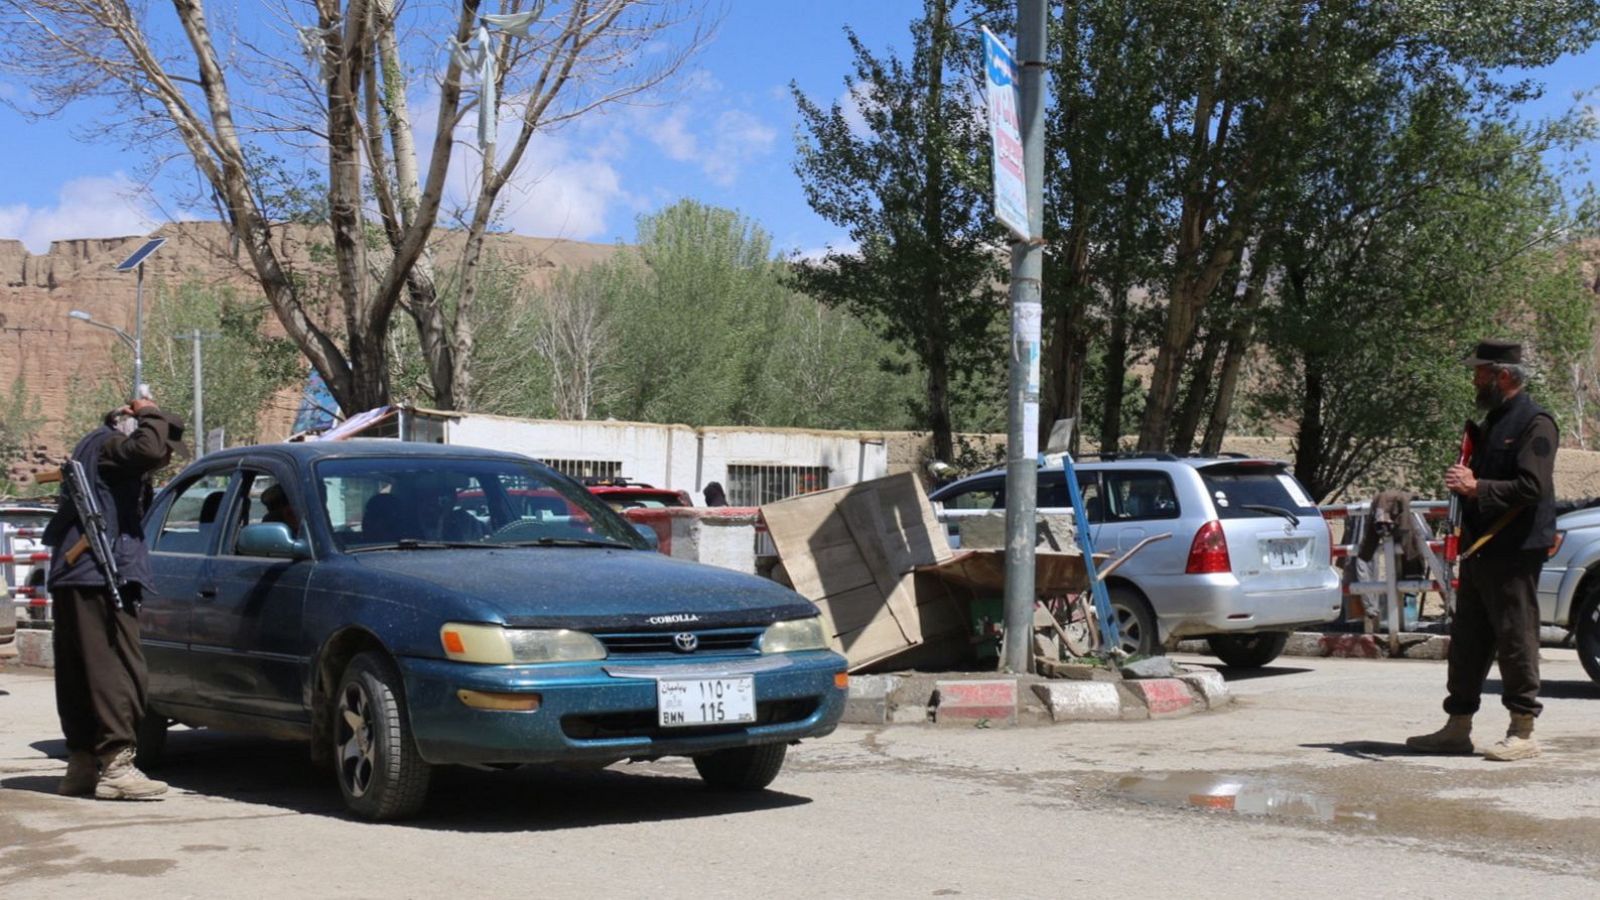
(741, 768)
(380, 772)
(1587, 631)
(1136, 622)
(1248, 651)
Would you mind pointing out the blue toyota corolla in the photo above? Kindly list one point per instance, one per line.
(403, 606)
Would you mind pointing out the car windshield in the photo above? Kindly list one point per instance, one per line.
(423, 502)
(1240, 492)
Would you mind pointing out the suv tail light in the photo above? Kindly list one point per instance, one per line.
(1208, 554)
(1328, 527)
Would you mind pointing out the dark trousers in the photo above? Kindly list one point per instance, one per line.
(1497, 615)
(100, 674)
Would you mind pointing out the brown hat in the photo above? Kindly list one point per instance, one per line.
(1494, 353)
(174, 433)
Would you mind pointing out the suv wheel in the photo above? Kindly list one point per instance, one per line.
(1248, 651)
(1586, 627)
(1136, 622)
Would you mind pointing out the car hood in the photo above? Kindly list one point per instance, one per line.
(592, 588)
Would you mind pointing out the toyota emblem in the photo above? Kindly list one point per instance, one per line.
(686, 641)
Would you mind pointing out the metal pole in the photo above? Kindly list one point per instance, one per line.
(1022, 434)
(199, 398)
(138, 334)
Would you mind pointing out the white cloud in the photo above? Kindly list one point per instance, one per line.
(672, 135)
(739, 138)
(558, 194)
(88, 207)
(844, 246)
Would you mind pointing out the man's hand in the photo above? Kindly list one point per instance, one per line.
(140, 404)
(1461, 480)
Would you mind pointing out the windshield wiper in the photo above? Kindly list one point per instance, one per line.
(413, 544)
(570, 542)
(1275, 510)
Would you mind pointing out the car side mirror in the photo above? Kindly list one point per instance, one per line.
(649, 535)
(272, 539)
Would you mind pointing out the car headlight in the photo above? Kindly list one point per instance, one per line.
(498, 645)
(795, 634)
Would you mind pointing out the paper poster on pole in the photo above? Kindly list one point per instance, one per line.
(1005, 131)
(1027, 326)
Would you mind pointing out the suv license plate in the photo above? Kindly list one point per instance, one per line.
(705, 701)
(1288, 553)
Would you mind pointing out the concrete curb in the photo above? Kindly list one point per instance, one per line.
(1350, 645)
(36, 648)
(983, 700)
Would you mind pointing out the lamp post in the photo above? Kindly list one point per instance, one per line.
(136, 262)
(197, 336)
(130, 340)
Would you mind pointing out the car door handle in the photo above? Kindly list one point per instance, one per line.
(208, 593)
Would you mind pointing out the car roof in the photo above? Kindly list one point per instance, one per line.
(1145, 461)
(311, 451)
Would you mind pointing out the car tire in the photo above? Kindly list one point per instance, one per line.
(1586, 631)
(150, 740)
(1248, 651)
(380, 772)
(741, 768)
(1136, 622)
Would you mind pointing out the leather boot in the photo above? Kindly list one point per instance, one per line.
(1454, 737)
(122, 780)
(1518, 742)
(83, 770)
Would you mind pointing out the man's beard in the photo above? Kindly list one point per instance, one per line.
(1490, 396)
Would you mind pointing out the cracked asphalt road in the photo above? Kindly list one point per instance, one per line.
(882, 812)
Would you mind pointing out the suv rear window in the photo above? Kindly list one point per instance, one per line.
(1233, 489)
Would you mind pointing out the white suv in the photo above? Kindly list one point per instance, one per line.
(1249, 560)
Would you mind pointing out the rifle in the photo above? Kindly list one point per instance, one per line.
(1452, 538)
(92, 519)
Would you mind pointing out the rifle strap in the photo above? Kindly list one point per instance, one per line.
(1503, 521)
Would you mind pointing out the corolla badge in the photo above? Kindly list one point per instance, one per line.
(673, 619)
(686, 641)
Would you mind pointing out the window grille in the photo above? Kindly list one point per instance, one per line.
(754, 485)
(586, 468)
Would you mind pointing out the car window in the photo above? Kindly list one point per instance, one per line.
(1139, 495)
(1233, 489)
(191, 519)
(988, 494)
(263, 499)
(378, 502)
(1094, 505)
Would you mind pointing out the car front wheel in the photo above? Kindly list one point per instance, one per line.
(741, 768)
(380, 772)
(1587, 628)
(1248, 651)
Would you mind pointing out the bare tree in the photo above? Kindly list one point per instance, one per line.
(574, 337)
(382, 198)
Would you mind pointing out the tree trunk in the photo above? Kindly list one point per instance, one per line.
(1066, 344)
(1240, 337)
(1116, 371)
(1308, 450)
(1194, 401)
(933, 232)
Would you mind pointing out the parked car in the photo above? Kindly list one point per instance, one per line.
(31, 515)
(8, 623)
(419, 605)
(1249, 560)
(1569, 584)
(621, 494)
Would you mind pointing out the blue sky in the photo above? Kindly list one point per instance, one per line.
(722, 133)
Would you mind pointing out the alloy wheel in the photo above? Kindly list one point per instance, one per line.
(357, 753)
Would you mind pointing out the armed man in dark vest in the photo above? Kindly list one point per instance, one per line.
(1508, 524)
(100, 671)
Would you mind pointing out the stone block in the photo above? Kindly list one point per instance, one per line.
(1352, 646)
(1153, 667)
(868, 700)
(1211, 687)
(1075, 701)
(35, 648)
(1163, 696)
(1436, 646)
(908, 715)
(1303, 643)
(969, 702)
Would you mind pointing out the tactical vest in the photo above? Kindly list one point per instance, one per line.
(1495, 458)
(124, 502)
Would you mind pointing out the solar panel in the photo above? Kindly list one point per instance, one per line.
(139, 255)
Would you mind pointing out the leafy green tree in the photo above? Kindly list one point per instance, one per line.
(911, 187)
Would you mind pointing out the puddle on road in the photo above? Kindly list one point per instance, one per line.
(1245, 795)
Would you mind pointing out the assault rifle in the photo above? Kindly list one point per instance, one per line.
(1452, 538)
(92, 519)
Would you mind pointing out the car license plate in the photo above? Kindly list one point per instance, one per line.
(1287, 553)
(705, 701)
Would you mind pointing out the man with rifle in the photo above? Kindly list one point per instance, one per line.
(99, 569)
(1508, 522)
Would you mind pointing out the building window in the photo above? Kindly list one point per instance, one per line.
(586, 468)
(754, 485)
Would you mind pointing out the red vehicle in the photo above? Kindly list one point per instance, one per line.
(620, 494)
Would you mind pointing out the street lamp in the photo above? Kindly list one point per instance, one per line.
(136, 262)
(127, 338)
